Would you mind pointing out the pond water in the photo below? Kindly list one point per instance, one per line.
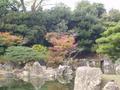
(33, 84)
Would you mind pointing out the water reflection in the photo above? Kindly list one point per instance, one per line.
(55, 86)
(14, 84)
(31, 84)
(37, 82)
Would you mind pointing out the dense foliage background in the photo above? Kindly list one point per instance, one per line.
(23, 32)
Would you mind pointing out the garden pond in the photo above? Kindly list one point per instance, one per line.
(32, 84)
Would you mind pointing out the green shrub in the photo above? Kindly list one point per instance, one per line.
(40, 48)
(109, 43)
(22, 54)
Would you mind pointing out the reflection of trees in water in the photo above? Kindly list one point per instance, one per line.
(4, 82)
(37, 82)
(14, 84)
(31, 84)
(40, 84)
(54, 86)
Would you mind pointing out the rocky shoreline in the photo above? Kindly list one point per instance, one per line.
(86, 78)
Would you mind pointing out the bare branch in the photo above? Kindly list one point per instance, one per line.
(39, 4)
(33, 5)
(23, 5)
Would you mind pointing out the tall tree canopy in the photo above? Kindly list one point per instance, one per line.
(86, 21)
(26, 24)
(58, 18)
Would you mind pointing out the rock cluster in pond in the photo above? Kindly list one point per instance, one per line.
(111, 86)
(37, 69)
(63, 73)
(8, 66)
(87, 78)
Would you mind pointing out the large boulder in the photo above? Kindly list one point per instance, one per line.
(87, 78)
(111, 86)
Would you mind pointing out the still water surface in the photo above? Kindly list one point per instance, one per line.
(33, 84)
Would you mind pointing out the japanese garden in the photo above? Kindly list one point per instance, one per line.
(59, 48)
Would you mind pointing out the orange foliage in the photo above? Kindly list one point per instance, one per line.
(62, 44)
(8, 39)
